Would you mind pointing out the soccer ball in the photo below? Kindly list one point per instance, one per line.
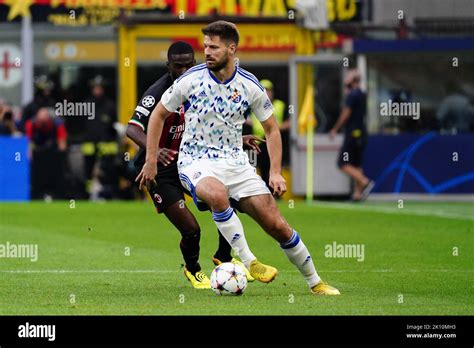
(228, 279)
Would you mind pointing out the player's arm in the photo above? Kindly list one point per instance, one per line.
(170, 101)
(137, 135)
(343, 117)
(136, 128)
(263, 109)
(155, 128)
(138, 124)
(345, 114)
(273, 138)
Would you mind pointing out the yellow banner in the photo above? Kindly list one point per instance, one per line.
(340, 10)
(149, 52)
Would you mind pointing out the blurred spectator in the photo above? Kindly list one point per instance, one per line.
(355, 135)
(47, 147)
(75, 127)
(42, 98)
(7, 122)
(402, 30)
(100, 148)
(456, 112)
(263, 160)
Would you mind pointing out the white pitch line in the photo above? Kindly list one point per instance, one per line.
(132, 271)
(403, 271)
(64, 271)
(395, 211)
(392, 271)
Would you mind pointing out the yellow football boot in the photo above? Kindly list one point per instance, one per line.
(261, 272)
(323, 288)
(198, 280)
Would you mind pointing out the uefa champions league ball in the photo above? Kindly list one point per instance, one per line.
(228, 279)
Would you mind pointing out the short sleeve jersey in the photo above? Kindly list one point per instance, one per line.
(216, 112)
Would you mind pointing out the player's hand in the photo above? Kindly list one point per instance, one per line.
(332, 134)
(277, 183)
(147, 175)
(166, 156)
(250, 141)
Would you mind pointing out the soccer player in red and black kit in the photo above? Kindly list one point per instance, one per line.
(167, 194)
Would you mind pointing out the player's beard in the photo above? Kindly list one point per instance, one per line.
(219, 65)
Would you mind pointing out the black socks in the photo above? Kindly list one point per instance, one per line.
(224, 249)
(190, 249)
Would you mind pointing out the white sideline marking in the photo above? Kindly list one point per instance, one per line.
(402, 271)
(388, 210)
(391, 271)
(63, 271)
(66, 271)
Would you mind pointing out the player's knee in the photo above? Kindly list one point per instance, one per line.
(190, 239)
(191, 232)
(218, 201)
(188, 226)
(214, 194)
(192, 226)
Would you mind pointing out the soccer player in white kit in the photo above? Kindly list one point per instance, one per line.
(212, 164)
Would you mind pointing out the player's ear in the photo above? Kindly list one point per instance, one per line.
(232, 48)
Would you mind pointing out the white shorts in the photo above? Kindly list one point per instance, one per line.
(240, 180)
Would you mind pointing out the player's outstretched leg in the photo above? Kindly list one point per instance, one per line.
(263, 209)
(214, 193)
(223, 254)
(180, 216)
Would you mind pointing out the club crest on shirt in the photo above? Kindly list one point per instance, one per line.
(236, 97)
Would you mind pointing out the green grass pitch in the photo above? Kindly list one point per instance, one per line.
(418, 260)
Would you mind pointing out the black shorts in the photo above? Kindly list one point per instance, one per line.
(352, 151)
(169, 190)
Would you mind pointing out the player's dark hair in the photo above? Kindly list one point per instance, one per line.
(227, 31)
(180, 47)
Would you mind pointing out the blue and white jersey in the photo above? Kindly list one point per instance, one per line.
(216, 113)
